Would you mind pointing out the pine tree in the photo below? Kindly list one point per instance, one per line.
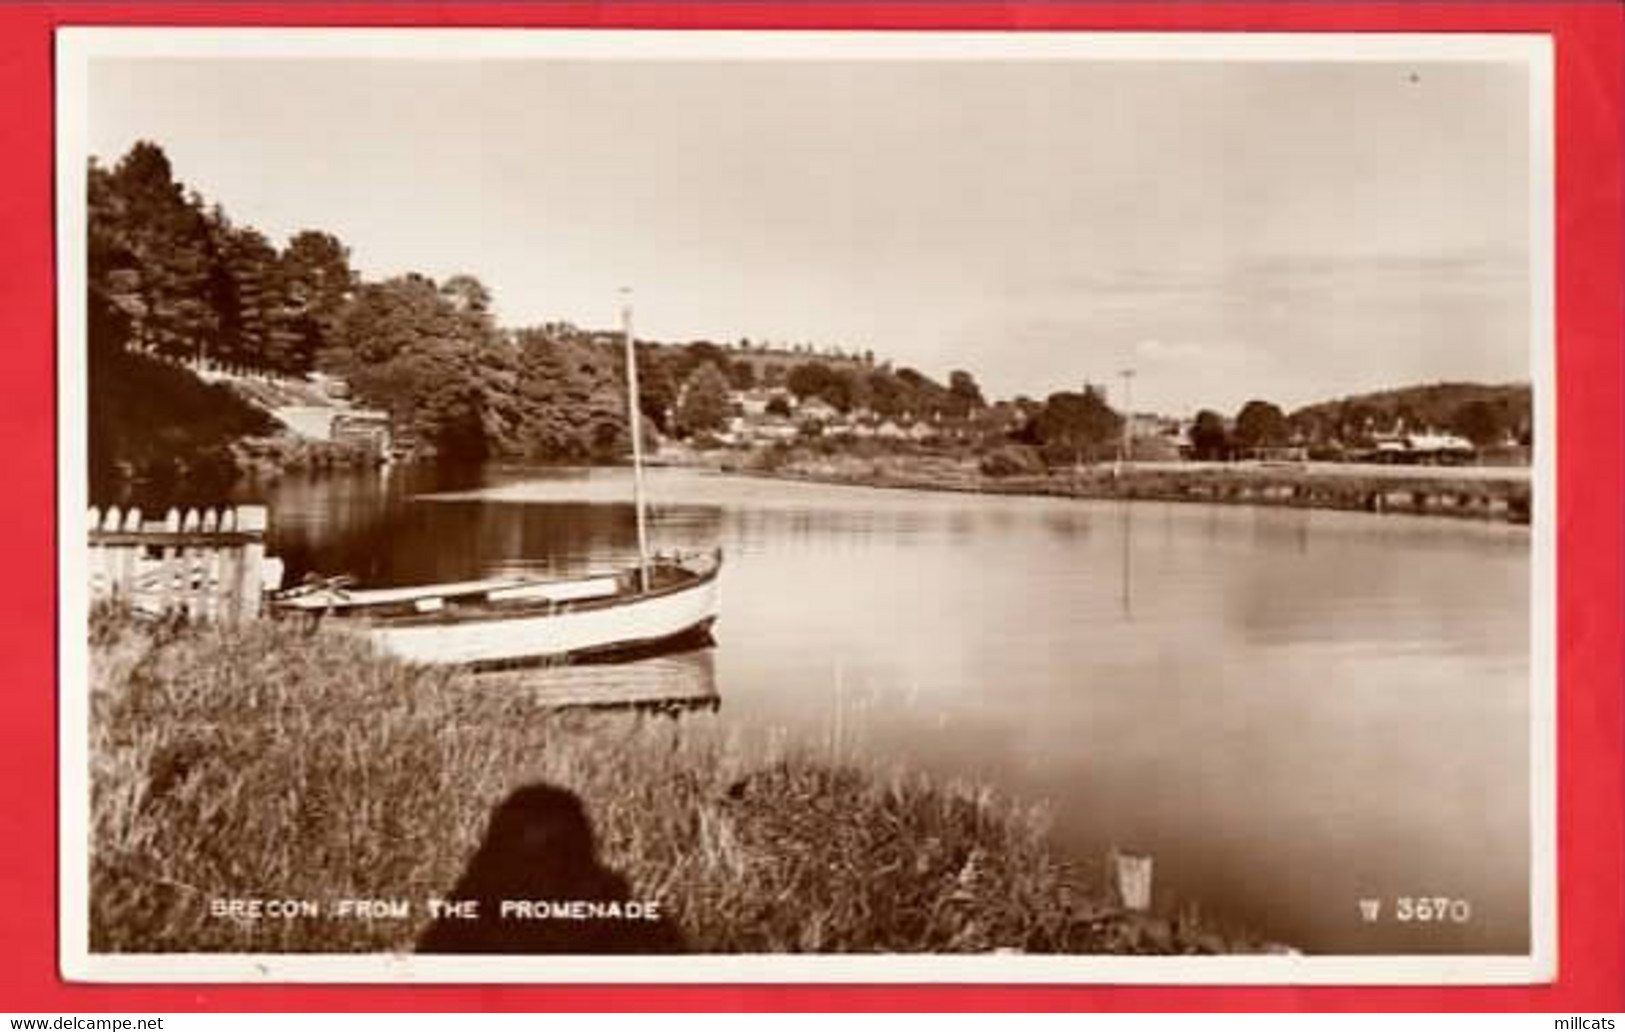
(164, 238)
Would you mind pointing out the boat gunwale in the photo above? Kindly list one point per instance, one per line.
(489, 613)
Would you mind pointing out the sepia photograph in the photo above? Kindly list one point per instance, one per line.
(546, 505)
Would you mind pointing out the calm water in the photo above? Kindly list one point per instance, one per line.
(1291, 710)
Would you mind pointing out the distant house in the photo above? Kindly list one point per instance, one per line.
(1157, 448)
(1150, 424)
(754, 402)
(369, 428)
(1421, 448)
(1439, 443)
(333, 386)
(999, 419)
(817, 410)
(765, 430)
(746, 404)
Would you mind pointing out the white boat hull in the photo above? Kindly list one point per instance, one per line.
(638, 623)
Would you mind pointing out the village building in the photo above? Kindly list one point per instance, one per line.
(1421, 448)
(817, 410)
(368, 428)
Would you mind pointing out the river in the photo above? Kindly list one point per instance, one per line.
(1291, 710)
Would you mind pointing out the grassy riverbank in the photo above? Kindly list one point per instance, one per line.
(1501, 494)
(270, 763)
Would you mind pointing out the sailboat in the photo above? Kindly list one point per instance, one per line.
(665, 601)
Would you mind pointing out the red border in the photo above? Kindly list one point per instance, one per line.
(1591, 308)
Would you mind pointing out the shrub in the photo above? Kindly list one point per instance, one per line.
(1061, 454)
(1011, 460)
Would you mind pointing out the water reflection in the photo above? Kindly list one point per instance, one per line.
(674, 682)
(1292, 709)
(1126, 517)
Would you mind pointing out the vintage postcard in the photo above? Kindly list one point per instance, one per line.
(783, 506)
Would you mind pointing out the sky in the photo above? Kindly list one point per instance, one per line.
(1229, 230)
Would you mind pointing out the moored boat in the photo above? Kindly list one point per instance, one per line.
(514, 621)
(663, 602)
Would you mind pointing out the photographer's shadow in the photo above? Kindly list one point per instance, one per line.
(539, 849)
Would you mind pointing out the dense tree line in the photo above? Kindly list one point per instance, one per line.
(1487, 417)
(174, 279)
(901, 394)
(1485, 414)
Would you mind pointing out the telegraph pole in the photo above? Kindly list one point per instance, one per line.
(1126, 449)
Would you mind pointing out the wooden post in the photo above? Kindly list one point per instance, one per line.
(168, 573)
(188, 567)
(101, 583)
(230, 570)
(209, 568)
(1132, 873)
(128, 555)
(100, 574)
(251, 519)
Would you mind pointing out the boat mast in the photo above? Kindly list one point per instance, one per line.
(636, 429)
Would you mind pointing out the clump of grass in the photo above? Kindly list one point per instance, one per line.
(271, 762)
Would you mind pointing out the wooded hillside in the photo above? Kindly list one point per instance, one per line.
(1484, 413)
(173, 281)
